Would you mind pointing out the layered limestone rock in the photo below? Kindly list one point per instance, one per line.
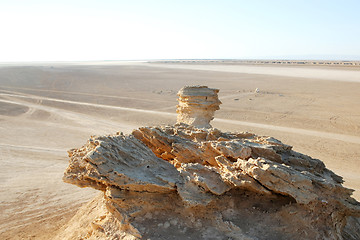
(197, 105)
(188, 182)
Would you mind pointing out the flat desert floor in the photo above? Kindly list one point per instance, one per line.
(46, 109)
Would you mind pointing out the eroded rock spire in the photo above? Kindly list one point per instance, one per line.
(197, 105)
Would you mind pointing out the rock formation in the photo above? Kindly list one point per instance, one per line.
(197, 105)
(191, 181)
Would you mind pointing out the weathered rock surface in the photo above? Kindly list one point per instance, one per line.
(186, 182)
(197, 105)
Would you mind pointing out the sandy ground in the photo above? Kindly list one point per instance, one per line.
(46, 109)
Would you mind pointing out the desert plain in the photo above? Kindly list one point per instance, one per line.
(49, 108)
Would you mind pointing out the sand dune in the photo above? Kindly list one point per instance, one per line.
(46, 110)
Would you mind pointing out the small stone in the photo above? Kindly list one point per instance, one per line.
(173, 222)
(148, 216)
(166, 224)
(198, 224)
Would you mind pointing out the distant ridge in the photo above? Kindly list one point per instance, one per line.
(265, 61)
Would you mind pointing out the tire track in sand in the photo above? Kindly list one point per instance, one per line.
(33, 148)
(79, 118)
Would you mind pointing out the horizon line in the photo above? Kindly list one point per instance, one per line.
(181, 59)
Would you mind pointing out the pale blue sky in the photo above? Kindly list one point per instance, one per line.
(68, 30)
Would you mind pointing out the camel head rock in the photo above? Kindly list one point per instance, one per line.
(197, 105)
(191, 181)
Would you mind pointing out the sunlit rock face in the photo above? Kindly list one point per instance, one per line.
(197, 105)
(191, 181)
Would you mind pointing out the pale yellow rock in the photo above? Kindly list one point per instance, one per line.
(191, 181)
(197, 105)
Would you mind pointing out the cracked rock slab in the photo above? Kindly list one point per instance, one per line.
(180, 181)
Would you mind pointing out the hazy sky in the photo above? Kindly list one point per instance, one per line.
(67, 30)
